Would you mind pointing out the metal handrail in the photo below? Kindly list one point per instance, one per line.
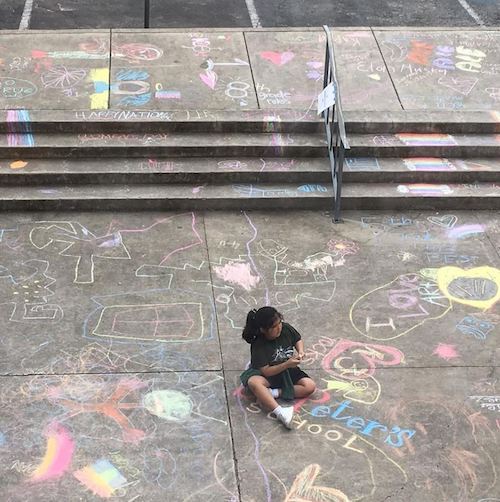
(334, 126)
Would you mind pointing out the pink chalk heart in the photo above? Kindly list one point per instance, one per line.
(209, 78)
(278, 58)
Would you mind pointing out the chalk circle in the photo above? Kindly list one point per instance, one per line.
(170, 405)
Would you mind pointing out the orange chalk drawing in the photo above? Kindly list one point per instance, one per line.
(303, 489)
(112, 408)
(18, 164)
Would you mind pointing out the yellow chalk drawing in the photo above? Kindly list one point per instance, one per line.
(18, 164)
(361, 391)
(303, 490)
(100, 78)
(418, 317)
(477, 287)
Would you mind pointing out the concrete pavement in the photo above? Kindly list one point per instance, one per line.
(382, 69)
(121, 351)
(120, 346)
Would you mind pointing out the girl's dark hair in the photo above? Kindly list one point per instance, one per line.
(256, 319)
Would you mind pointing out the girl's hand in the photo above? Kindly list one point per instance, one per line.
(293, 362)
(301, 355)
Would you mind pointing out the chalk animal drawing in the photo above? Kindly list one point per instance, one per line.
(80, 243)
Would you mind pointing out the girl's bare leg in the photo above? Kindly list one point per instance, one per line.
(304, 387)
(260, 388)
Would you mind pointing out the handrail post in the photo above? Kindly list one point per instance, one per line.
(334, 127)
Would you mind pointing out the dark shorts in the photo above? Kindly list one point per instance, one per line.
(296, 374)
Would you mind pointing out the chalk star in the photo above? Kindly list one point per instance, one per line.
(446, 351)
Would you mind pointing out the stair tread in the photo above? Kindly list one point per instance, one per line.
(250, 190)
(168, 139)
(220, 165)
(164, 165)
(423, 140)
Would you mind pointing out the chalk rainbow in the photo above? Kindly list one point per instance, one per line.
(429, 189)
(58, 454)
(429, 164)
(102, 478)
(417, 139)
(464, 231)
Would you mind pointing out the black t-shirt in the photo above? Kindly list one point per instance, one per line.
(270, 352)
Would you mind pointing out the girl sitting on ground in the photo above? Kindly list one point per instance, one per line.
(274, 369)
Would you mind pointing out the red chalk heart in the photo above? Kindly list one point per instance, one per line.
(278, 58)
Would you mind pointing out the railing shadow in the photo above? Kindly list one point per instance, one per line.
(334, 127)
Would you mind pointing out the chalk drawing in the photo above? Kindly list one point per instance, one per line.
(101, 478)
(58, 455)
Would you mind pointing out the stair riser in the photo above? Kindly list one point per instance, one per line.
(419, 127)
(161, 127)
(95, 127)
(402, 151)
(300, 177)
(38, 152)
(121, 151)
(54, 179)
(484, 203)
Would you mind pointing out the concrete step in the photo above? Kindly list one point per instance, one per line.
(164, 170)
(100, 145)
(132, 171)
(424, 145)
(449, 122)
(143, 121)
(278, 120)
(251, 196)
(421, 170)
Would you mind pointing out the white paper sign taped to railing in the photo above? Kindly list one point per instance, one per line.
(326, 98)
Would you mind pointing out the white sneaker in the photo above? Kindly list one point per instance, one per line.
(285, 416)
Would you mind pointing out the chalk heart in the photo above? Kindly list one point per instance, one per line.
(278, 58)
(446, 221)
(303, 489)
(209, 78)
(446, 275)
